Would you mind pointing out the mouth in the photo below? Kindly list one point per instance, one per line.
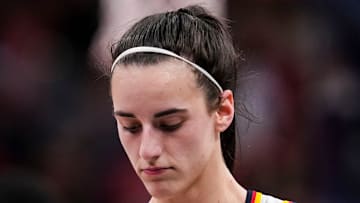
(154, 171)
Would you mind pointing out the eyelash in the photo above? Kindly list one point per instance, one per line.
(163, 127)
(132, 129)
(170, 128)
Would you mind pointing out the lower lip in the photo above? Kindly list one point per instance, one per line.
(154, 172)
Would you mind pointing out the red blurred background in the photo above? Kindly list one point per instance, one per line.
(58, 140)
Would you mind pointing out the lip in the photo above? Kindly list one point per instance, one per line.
(154, 171)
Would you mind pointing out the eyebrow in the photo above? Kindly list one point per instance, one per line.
(169, 111)
(156, 115)
(124, 114)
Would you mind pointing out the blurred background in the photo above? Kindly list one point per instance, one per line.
(58, 140)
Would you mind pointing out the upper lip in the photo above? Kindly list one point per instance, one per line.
(154, 168)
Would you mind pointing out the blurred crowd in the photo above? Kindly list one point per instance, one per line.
(58, 140)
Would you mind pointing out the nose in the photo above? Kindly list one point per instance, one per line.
(151, 144)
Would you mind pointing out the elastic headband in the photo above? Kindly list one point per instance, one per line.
(143, 49)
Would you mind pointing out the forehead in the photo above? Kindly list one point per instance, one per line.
(168, 83)
(163, 73)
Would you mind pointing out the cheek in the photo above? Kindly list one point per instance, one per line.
(194, 145)
(130, 146)
(125, 140)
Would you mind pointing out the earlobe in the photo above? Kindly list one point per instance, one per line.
(225, 112)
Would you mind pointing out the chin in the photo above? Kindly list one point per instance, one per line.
(160, 190)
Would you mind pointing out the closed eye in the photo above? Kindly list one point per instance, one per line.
(170, 128)
(132, 129)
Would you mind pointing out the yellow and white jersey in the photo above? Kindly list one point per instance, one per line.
(258, 197)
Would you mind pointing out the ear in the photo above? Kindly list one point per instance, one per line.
(225, 112)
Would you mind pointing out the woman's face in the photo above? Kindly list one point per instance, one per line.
(164, 125)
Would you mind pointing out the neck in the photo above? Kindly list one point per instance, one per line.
(216, 185)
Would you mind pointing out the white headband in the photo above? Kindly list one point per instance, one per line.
(143, 49)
